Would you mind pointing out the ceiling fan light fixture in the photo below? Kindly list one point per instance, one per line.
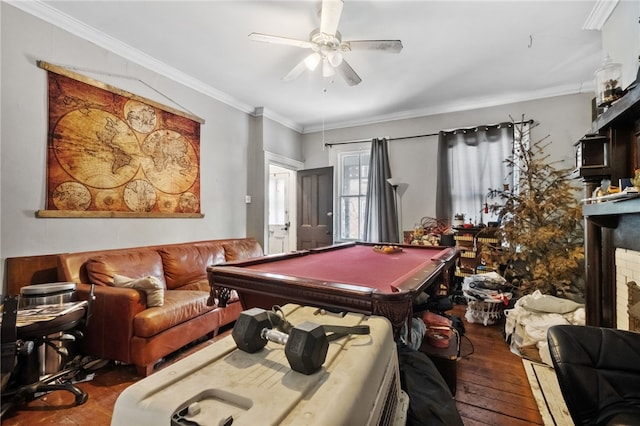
(327, 46)
(335, 58)
(312, 61)
(327, 69)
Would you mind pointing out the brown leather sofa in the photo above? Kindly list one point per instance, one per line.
(122, 327)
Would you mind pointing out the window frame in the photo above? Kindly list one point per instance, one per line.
(364, 149)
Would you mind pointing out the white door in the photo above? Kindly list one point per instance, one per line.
(279, 210)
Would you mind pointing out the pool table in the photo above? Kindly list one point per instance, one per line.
(353, 277)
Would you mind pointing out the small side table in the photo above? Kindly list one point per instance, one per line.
(445, 359)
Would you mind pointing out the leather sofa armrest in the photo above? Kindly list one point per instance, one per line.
(110, 329)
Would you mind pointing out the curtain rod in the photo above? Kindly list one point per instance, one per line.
(329, 144)
(389, 139)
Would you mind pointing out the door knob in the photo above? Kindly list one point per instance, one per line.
(329, 214)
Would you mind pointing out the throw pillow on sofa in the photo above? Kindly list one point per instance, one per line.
(150, 285)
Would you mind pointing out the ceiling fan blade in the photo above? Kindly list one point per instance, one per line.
(330, 16)
(348, 74)
(390, 46)
(295, 71)
(280, 40)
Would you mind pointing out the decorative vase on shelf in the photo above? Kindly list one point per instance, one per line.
(608, 88)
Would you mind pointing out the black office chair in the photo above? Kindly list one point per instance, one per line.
(598, 370)
(21, 380)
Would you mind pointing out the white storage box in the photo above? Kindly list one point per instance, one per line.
(358, 384)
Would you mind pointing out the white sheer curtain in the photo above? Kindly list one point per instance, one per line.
(470, 162)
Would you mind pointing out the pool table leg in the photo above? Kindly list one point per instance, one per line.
(397, 312)
(218, 294)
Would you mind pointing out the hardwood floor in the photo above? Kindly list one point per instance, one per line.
(492, 388)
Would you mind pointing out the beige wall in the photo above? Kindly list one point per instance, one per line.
(268, 138)
(233, 146)
(564, 118)
(225, 138)
(621, 39)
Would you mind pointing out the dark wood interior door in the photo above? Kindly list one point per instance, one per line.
(315, 208)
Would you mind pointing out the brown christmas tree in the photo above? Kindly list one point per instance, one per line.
(540, 223)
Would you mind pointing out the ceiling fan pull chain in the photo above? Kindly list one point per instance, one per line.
(324, 91)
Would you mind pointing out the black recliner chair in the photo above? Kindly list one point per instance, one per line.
(598, 370)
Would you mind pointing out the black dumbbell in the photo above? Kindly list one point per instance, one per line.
(305, 346)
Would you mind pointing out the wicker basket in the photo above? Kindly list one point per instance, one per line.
(486, 312)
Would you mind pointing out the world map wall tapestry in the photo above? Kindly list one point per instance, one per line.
(114, 154)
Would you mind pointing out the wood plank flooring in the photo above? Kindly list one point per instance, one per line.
(492, 387)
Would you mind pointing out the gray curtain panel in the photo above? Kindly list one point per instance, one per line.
(381, 214)
(470, 162)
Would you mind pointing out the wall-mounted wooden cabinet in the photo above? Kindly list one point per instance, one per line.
(620, 123)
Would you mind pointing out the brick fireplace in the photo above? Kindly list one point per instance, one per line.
(627, 290)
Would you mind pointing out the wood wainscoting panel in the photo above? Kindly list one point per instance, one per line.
(28, 270)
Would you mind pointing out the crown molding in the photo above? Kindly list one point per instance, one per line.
(53, 16)
(462, 105)
(599, 14)
(274, 116)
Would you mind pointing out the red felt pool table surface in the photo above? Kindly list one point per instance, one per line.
(358, 265)
(351, 277)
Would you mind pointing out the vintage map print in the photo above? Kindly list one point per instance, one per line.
(111, 151)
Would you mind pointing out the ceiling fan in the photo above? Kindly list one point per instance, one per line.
(328, 47)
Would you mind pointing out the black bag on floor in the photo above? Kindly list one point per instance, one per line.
(456, 322)
(430, 400)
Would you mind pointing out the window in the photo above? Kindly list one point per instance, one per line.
(353, 173)
(278, 199)
(522, 140)
(476, 163)
(471, 162)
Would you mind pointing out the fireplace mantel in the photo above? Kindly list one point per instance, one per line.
(622, 217)
(612, 224)
(612, 208)
(608, 214)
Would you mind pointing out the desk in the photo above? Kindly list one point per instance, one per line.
(350, 277)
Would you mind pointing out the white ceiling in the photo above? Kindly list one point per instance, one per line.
(457, 55)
